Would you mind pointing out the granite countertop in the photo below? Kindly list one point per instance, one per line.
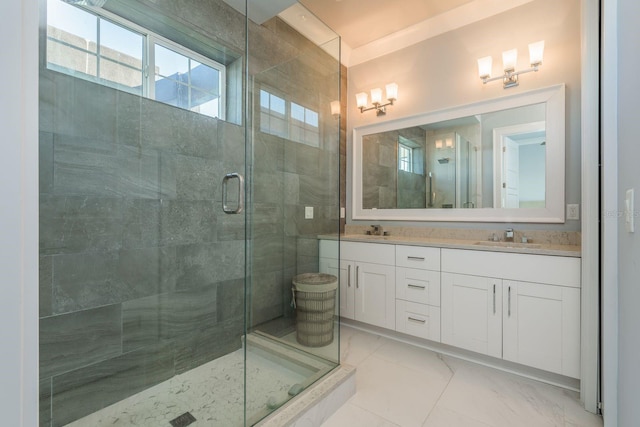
(477, 245)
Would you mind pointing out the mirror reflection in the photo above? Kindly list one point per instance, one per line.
(489, 160)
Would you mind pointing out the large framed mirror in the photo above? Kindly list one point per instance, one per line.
(492, 161)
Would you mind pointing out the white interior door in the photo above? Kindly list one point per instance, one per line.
(511, 174)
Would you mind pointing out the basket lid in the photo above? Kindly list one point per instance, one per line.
(315, 282)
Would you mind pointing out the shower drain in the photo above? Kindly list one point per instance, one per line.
(183, 420)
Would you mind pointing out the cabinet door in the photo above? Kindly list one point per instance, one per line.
(542, 326)
(375, 294)
(345, 272)
(472, 313)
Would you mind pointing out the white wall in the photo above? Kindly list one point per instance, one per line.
(628, 244)
(442, 72)
(18, 213)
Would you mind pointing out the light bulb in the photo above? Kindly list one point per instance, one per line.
(484, 67)
(376, 96)
(536, 51)
(392, 91)
(509, 59)
(335, 108)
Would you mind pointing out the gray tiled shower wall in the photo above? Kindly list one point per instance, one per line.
(386, 186)
(141, 274)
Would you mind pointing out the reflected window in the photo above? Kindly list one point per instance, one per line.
(405, 158)
(106, 49)
(287, 119)
(304, 125)
(273, 118)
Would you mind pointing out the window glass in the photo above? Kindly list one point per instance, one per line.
(170, 64)
(105, 50)
(74, 23)
(72, 36)
(121, 56)
(405, 160)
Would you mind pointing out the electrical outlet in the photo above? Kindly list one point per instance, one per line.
(573, 212)
(308, 212)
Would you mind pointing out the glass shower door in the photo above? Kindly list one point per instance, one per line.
(142, 273)
(293, 173)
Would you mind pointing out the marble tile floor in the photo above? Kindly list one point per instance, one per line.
(212, 393)
(400, 385)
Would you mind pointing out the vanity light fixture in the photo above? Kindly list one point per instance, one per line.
(335, 109)
(376, 99)
(509, 60)
(444, 143)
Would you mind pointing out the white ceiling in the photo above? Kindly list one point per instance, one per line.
(359, 22)
(374, 28)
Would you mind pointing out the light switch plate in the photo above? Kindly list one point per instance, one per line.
(343, 213)
(573, 211)
(629, 211)
(308, 212)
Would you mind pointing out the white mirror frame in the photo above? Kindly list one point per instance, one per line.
(553, 212)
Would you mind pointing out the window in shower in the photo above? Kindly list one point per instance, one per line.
(287, 119)
(109, 50)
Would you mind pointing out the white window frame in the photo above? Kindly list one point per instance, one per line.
(409, 161)
(155, 39)
(150, 40)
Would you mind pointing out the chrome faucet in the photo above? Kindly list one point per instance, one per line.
(508, 235)
(376, 230)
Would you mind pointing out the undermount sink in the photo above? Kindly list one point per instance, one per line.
(509, 244)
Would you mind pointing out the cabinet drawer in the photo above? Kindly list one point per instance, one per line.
(419, 320)
(418, 257)
(375, 253)
(552, 270)
(420, 286)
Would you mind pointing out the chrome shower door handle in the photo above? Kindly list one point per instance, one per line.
(225, 182)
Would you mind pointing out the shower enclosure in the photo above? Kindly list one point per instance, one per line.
(181, 144)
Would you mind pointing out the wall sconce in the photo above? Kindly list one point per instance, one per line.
(376, 99)
(509, 59)
(447, 142)
(335, 109)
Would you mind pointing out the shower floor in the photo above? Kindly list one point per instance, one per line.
(213, 393)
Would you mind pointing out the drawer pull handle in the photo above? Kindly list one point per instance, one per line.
(413, 319)
(349, 275)
(509, 302)
(416, 286)
(357, 277)
(415, 258)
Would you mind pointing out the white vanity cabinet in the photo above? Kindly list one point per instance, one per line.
(367, 280)
(520, 307)
(418, 291)
(472, 313)
(541, 326)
